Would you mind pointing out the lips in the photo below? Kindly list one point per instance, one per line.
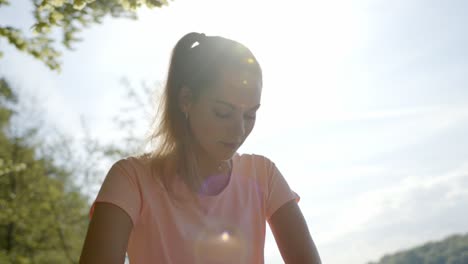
(229, 145)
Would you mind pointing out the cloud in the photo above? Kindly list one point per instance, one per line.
(405, 214)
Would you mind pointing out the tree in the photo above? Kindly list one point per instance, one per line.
(70, 17)
(43, 217)
(453, 250)
(43, 211)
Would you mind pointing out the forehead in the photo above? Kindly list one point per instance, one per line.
(243, 90)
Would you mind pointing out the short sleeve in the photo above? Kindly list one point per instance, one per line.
(121, 188)
(279, 192)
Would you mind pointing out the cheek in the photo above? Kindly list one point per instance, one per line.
(249, 127)
(205, 127)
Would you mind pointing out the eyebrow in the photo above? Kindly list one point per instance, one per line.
(234, 107)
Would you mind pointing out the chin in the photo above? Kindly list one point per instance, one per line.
(228, 157)
(224, 155)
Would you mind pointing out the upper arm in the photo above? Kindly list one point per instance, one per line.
(107, 237)
(292, 235)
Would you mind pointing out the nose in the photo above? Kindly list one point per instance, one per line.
(238, 128)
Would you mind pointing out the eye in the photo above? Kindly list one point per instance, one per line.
(222, 114)
(251, 116)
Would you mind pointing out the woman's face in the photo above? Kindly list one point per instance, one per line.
(223, 116)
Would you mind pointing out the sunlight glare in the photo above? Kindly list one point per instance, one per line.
(225, 236)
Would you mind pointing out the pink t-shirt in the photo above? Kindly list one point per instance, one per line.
(225, 228)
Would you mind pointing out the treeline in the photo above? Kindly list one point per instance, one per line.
(43, 215)
(45, 182)
(452, 250)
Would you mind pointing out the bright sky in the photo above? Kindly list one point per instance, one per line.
(364, 108)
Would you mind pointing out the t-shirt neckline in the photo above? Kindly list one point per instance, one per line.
(228, 185)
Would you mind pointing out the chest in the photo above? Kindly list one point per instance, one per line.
(230, 226)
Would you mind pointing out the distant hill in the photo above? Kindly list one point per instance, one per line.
(452, 250)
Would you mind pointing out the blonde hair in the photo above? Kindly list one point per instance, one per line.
(197, 62)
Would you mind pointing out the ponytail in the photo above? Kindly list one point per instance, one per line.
(182, 56)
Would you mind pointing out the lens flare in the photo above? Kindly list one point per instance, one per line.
(220, 244)
(225, 236)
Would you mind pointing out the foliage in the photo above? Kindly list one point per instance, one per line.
(70, 17)
(43, 212)
(42, 220)
(452, 250)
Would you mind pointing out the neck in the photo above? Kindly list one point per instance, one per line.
(208, 167)
(214, 175)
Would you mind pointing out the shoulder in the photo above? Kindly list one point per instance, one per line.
(259, 163)
(133, 166)
(254, 158)
(134, 161)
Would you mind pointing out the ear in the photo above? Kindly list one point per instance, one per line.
(185, 99)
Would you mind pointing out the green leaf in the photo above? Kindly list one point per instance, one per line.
(55, 17)
(56, 3)
(79, 4)
(41, 27)
(154, 3)
(131, 5)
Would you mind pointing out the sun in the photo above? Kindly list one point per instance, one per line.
(302, 47)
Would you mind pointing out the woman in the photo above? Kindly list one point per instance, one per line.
(194, 199)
